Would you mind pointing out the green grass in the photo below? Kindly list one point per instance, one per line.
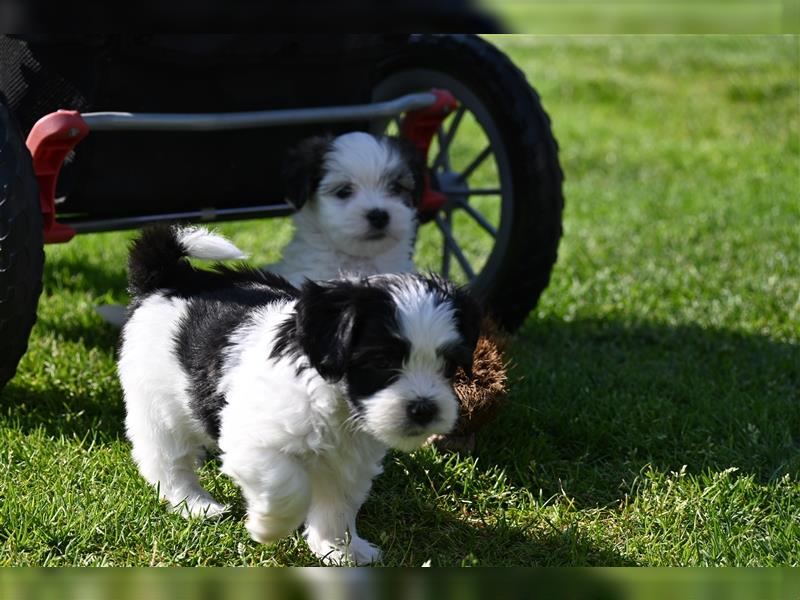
(644, 16)
(654, 414)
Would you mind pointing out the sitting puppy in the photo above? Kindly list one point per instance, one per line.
(301, 390)
(356, 197)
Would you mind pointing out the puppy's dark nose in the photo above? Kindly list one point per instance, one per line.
(422, 411)
(378, 218)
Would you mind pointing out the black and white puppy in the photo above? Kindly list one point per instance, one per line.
(356, 197)
(302, 390)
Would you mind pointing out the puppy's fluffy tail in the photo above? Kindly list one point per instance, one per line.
(157, 257)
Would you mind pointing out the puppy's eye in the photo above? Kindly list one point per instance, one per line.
(397, 189)
(450, 369)
(383, 363)
(454, 357)
(343, 192)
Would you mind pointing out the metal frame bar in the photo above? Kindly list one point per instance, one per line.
(57, 133)
(208, 215)
(125, 121)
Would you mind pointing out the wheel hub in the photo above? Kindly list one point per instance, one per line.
(457, 189)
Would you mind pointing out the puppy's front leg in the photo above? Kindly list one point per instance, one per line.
(276, 487)
(331, 523)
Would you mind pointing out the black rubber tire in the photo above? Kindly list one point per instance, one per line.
(536, 174)
(21, 246)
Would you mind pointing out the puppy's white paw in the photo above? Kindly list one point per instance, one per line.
(265, 529)
(199, 508)
(358, 551)
(364, 553)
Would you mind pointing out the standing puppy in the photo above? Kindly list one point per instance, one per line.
(302, 390)
(356, 197)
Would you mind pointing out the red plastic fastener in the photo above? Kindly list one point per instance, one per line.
(51, 139)
(419, 126)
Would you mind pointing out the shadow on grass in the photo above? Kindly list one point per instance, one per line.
(431, 533)
(91, 333)
(73, 414)
(411, 529)
(592, 402)
(101, 283)
(66, 272)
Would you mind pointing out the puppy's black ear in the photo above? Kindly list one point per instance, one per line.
(468, 311)
(325, 320)
(413, 158)
(461, 356)
(468, 316)
(303, 169)
(329, 318)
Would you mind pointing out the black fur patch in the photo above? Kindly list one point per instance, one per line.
(221, 300)
(347, 330)
(157, 261)
(468, 314)
(377, 357)
(212, 317)
(468, 311)
(303, 169)
(415, 162)
(155, 257)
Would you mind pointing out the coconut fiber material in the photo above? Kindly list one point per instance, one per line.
(481, 396)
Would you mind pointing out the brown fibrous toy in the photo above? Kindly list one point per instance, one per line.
(481, 396)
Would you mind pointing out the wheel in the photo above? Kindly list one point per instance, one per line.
(496, 160)
(21, 246)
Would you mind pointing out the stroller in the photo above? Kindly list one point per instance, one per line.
(207, 119)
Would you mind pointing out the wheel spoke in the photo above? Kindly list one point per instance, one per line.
(479, 218)
(449, 241)
(443, 158)
(473, 192)
(446, 250)
(476, 162)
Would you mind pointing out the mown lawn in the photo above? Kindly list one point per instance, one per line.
(654, 413)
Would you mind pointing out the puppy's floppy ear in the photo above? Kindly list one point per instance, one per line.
(468, 312)
(413, 158)
(303, 169)
(468, 318)
(468, 315)
(325, 320)
(328, 319)
(461, 356)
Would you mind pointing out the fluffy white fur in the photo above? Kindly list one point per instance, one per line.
(288, 437)
(288, 442)
(332, 236)
(200, 243)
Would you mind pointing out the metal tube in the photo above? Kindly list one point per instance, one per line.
(211, 214)
(118, 121)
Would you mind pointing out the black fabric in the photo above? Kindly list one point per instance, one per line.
(124, 173)
(301, 16)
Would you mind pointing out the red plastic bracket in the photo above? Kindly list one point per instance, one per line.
(419, 126)
(49, 142)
